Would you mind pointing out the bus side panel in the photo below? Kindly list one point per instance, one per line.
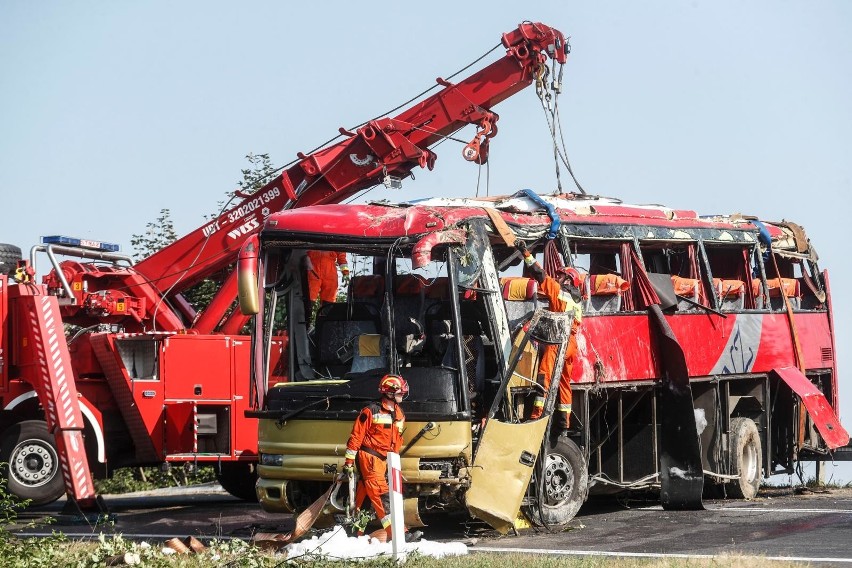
(621, 344)
(740, 343)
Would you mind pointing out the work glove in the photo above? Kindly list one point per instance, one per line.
(344, 269)
(521, 245)
(349, 468)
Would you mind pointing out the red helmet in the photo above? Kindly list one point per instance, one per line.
(570, 275)
(392, 384)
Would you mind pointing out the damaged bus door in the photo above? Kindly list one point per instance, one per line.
(506, 456)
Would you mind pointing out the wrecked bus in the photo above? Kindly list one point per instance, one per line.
(705, 355)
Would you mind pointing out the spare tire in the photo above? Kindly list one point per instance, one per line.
(9, 257)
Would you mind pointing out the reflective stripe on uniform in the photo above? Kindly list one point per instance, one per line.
(382, 419)
(571, 305)
(539, 401)
(350, 454)
(564, 408)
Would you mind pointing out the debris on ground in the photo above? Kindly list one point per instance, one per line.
(335, 544)
(187, 545)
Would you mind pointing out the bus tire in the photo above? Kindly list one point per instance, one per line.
(565, 486)
(31, 463)
(745, 458)
(9, 257)
(238, 479)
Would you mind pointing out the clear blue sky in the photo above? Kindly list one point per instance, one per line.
(112, 111)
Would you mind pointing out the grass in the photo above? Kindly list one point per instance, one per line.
(57, 551)
(129, 479)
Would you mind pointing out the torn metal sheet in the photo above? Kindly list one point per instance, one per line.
(681, 472)
(822, 415)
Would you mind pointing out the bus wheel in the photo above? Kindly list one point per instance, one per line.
(561, 488)
(31, 462)
(238, 479)
(745, 458)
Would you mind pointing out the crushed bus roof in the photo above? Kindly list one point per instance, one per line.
(583, 215)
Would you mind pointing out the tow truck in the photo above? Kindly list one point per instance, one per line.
(145, 379)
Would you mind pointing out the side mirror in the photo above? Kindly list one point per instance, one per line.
(247, 283)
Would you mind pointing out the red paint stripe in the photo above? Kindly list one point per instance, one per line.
(396, 477)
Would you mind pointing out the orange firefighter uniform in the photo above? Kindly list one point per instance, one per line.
(560, 300)
(322, 274)
(377, 431)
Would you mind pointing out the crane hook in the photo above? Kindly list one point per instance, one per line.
(477, 149)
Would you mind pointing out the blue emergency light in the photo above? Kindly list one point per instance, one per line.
(81, 243)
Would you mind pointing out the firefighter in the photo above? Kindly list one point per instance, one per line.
(377, 431)
(322, 268)
(563, 294)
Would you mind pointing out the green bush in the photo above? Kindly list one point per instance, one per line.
(129, 479)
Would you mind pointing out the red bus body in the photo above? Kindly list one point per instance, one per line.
(729, 379)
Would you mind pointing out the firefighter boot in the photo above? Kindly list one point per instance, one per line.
(564, 423)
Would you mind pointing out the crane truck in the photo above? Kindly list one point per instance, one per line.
(145, 379)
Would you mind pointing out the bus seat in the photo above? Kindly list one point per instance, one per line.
(689, 288)
(370, 353)
(337, 329)
(433, 390)
(438, 290)
(439, 328)
(776, 300)
(367, 288)
(409, 306)
(520, 297)
(409, 285)
(441, 344)
(731, 293)
(603, 293)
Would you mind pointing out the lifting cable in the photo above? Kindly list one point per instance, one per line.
(552, 117)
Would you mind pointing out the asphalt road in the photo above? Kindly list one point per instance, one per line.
(814, 527)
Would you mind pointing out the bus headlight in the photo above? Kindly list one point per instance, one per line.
(271, 459)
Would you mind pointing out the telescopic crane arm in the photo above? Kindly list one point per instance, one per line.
(380, 149)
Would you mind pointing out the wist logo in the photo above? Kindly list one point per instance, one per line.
(248, 227)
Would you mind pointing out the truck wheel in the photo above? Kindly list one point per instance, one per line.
(564, 489)
(9, 257)
(745, 458)
(238, 479)
(31, 462)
